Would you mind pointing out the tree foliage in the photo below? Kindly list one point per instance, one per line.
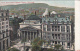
(36, 44)
(57, 46)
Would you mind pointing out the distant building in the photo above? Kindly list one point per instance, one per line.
(4, 30)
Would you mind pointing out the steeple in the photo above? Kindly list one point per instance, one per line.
(46, 12)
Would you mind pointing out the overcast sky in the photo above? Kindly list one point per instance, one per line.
(60, 3)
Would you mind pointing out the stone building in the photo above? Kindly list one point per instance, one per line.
(31, 27)
(29, 33)
(4, 30)
(58, 30)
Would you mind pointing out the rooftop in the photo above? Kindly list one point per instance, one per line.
(33, 17)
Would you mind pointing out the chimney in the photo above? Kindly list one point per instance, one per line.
(24, 17)
(35, 12)
(59, 16)
(70, 18)
(49, 13)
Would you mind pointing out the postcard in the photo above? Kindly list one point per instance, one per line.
(39, 25)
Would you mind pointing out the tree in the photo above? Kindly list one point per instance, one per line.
(50, 49)
(36, 44)
(57, 46)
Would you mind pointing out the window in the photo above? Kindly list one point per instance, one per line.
(53, 36)
(6, 14)
(2, 23)
(44, 28)
(48, 28)
(68, 29)
(2, 14)
(63, 28)
(55, 26)
(55, 42)
(52, 29)
(67, 22)
(58, 42)
(52, 26)
(56, 36)
(7, 42)
(62, 22)
(55, 29)
(3, 44)
(2, 27)
(6, 25)
(6, 18)
(3, 35)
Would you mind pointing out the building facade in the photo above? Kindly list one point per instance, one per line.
(29, 33)
(57, 30)
(4, 30)
(31, 28)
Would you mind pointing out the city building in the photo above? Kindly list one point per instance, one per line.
(4, 30)
(52, 27)
(58, 30)
(31, 27)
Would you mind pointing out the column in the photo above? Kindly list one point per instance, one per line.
(51, 28)
(24, 36)
(70, 28)
(61, 43)
(27, 36)
(65, 44)
(65, 28)
(1, 45)
(5, 45)
(60, 28)
(33, 35)
(46, 27)
(30, 36)
(21, 35)
(36, 34)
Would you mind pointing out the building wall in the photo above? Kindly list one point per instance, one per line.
(4, 30)
(58, 33)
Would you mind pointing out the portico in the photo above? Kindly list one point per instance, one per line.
(30, 33)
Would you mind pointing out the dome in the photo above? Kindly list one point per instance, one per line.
(33, 17)
(53, 12)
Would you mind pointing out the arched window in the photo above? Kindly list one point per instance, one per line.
(2, 14)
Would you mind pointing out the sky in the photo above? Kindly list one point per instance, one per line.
(59, 3)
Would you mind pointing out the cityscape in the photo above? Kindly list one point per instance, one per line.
(36, 27)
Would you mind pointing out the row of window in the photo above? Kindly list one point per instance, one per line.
(3, 27)
(56, 28)
(56, 22)
(4, 44)
(4, 35)
(57, 36)
(4, 19)
(3, 14)
(63, 43)
(4, 23)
